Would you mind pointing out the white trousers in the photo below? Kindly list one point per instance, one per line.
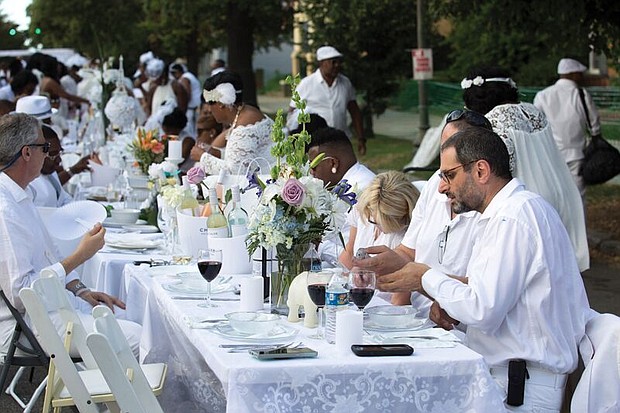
(544, 391)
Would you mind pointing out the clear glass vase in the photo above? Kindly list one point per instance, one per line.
(290, 265)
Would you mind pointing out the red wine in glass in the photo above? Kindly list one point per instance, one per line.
(361, 296)
(317, 294)
(209, 269)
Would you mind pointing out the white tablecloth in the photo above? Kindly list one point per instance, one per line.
(204, 377)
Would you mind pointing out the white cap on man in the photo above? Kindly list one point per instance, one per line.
(566, 66)
(327, 52)
(37, 106)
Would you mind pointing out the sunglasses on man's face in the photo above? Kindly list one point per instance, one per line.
(45, 147)
(469, 116)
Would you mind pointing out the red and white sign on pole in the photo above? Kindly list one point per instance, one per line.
(422, 64)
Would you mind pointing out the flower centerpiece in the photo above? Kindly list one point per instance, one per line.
(295, 208)
(148, 148)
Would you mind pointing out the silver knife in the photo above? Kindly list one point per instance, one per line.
(184, 297)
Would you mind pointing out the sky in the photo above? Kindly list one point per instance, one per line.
(15, 10)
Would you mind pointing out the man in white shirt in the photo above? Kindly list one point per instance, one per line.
(522, 296)
(25, 245)
(339, 163)
(192, 86)
(330, 94)
(567, 115)
(46, 189)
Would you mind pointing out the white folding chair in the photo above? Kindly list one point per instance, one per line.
(66, 386)
(134, 386)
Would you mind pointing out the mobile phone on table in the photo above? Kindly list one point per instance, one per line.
(377, 350)
(284, 353)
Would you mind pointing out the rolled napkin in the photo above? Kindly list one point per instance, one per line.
(251, 293)
(133, 240)
(349, 330)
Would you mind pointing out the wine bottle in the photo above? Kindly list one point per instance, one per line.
(237, 217)
(219, 187)
(188, 201)
(217, 226)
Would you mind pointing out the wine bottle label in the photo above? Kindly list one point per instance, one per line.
(237, 230)
(221, 232)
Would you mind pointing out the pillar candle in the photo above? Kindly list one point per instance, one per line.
(251, 293)
(174, 149)
(349, 330)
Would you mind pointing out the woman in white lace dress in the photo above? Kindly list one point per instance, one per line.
(534, 157)
(248, 136)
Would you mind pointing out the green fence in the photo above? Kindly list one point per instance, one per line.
(443, 97)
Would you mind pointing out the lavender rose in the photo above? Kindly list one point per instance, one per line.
(293, 192)
(195, 175)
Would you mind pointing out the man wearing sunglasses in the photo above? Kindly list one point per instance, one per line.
(46, 189)
(25, 245)
(437, 235)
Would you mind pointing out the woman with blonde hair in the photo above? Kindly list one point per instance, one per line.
(382, 214)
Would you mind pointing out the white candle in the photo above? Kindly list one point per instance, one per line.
(251, 293)
(174, 149)
(349, 330)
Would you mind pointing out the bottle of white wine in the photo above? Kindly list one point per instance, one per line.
(188, 201)
(237, 217)
(217, 226)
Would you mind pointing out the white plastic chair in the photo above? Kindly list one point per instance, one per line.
(134, 386)
(66, 385)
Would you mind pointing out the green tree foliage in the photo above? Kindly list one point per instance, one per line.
(96, 28)
(189, 28)
(375, 37)
(527, 37)
(10, 41)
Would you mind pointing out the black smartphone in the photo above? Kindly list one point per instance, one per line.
(373, 350)
(284, 353)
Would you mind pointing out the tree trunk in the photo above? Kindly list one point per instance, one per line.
(192, 52)
(240, 30)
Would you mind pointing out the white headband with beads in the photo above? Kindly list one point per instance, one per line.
(479, 81)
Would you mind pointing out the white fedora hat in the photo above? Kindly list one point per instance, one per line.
(566, 66)
(327, 52)
(37, 106)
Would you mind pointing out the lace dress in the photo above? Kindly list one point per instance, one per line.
(536, 161)
(245, 143)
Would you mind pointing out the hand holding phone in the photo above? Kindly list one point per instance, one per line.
(377, 350)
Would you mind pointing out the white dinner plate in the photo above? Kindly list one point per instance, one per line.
(141, 227)
(192, 286)
(134, 245)
(111, 223)
(280, 332)
(413, 324)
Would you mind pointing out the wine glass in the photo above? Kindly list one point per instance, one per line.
(362, 286)
(164, 225)
(317, 284)
(209, 265)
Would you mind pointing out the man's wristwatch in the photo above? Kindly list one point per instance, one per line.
(68, 171)
(79, 288)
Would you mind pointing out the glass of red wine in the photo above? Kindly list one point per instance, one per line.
(362, 287)
(209, 265)
(317, 283)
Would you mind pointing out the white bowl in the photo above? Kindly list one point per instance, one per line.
(391, 315)
(125, 216)
(249, 322)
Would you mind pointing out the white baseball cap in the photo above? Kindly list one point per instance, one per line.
(566, 66)
(327, 52)
(37, 106)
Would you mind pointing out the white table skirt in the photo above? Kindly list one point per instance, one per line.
(204, 377)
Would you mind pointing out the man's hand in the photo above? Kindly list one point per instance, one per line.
(196, 153)
(439, 316)
(95, 298)
(383, 261)
(406, 279)
(81, 165)
(91, 242)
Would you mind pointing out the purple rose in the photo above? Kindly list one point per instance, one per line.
(195, 175)
(293, 192)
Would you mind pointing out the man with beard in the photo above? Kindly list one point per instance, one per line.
(522, 296)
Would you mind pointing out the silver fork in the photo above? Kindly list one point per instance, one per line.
(264, 348)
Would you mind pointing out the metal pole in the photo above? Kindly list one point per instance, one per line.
(422, 99)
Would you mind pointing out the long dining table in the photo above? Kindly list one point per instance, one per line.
(202, 376)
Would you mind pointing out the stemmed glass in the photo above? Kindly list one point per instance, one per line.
(362, 287)
(209, 265)
(164, 224)
(317, 283)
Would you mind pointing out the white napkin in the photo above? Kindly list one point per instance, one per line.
(133, 240)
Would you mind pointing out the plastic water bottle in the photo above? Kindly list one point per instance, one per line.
(336, 299)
